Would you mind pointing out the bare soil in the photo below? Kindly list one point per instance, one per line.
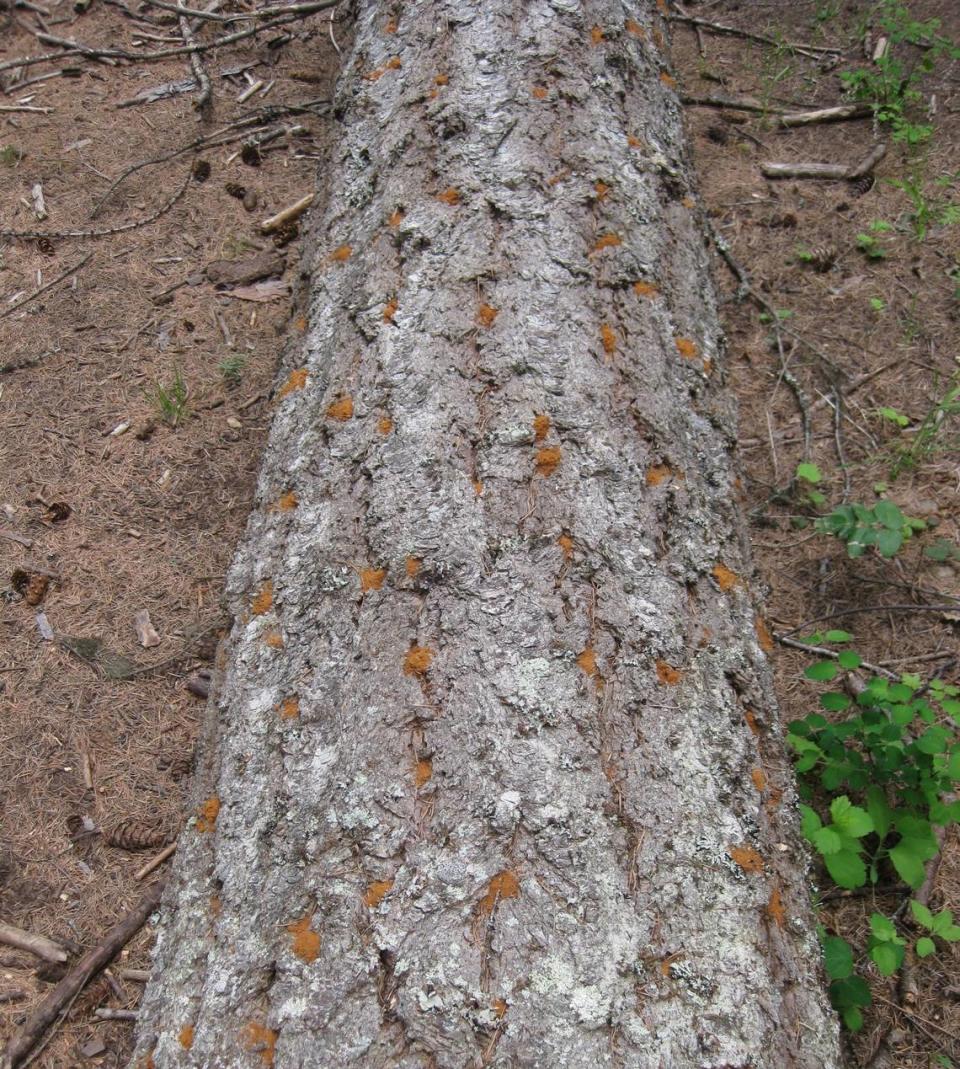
(90, 763)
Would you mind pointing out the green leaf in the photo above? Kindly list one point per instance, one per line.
(809, 473)
(951, 934)
(932, 741)
(854, 822)
(838, 636)
(942, 922)
(925, 947)
(822, 671)
(889, 543)
(888, 514)
(849, 659)
(835, 702)
(879, 810)
(810, 823)
(852, 1018)
(921, 914)
(837, 957)
(941, 550)
(827, 841)
(847, 869)
(849, 991)
(887, 957)
(908, 865)
(895, 417)
(882, 927)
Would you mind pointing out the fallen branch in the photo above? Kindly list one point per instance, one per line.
(840, 113)
(155, 863)
(24, 107)
(196, 63)
(59, 1000)
(31, 61)
(224, 136)
(733, 103)
(47, 286)
(263, 13)
(811, 51)
(826, 170)
(287, 215)
(93, 52)
(108, 1013)
(106, 232)
(35, 944)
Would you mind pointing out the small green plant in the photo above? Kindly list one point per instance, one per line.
(883, 526)
(884, 767)
(10, 155)
(878, 304)
(808, 477)
(942, 550)
(231, 368)
(927, 210)
(933, 434)
(827, 11)
(171, 403)
(891, 84)
(781, 313)
(893, 416)
(869, 242)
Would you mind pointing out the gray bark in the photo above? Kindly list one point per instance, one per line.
(493, 776)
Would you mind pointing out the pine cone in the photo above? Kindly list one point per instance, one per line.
(136, 835)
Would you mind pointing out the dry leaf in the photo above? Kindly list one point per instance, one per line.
(146, 635)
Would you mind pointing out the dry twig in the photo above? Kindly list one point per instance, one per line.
(811, 51)
(196, 63)
(826, 170)
(35, 944)
(107, 231)
(47, 286)
(58, 1001)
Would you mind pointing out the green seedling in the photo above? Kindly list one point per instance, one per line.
(231, 368)
(894, 416)
(808, 477)
(927, 211)
(171, 403)
(869, 241)
(934, 432)
(882, 526)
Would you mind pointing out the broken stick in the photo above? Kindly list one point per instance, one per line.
(35, 944)
(94, 961)
(294, 211)
(156, 862)
(826, 170)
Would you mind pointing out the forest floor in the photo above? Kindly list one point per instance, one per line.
(134, 405)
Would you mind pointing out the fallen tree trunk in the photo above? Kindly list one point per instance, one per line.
(493, 776)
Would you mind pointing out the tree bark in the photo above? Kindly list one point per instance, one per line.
(493, 777)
